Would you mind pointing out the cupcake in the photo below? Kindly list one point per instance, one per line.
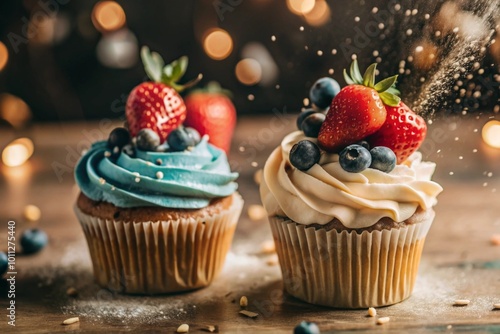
(349, 199)
(158, 204)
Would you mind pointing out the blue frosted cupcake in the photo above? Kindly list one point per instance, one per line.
(157, 222)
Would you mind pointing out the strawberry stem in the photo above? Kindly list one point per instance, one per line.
(386, 87)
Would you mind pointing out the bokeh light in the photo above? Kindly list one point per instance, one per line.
(269, 69)
(319, 15)
(118, 49)
(300, 7)
(17, 152)
(14, 110)
(248, 71)
(4, 56)
(108, 16)
(491, 133)
(218, 44)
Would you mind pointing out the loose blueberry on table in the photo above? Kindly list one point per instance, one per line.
(304, 155)
(306, 327)
(33, 240)
(323, 91)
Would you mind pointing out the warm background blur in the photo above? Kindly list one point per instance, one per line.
(78, 59)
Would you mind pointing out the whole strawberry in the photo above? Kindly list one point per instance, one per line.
(358, 109)
(211, 112)
(156, 104)
(403, 132)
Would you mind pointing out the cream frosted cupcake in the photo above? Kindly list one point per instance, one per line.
(158, 204)
(350, 223)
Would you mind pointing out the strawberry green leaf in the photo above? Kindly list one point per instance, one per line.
(348, 79)
(390, 99)
(167, 72)
(393, 90)
(385, 84)
(153, 64)
(179, 67)
(369, 77)
(355, 73)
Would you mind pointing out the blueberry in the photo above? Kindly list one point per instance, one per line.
(119, 137)
(129, 150)
(304, 154)
(162, 148)
(303, 115)
(323, 91)
(355, 158)
(365, 144)
(306, 327)
(4, 262)
(33, 240)
(383, 158)
(147, 140)
(194, 134)
(182, 138)
(312, 124)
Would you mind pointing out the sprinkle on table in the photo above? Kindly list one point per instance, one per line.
(383, 320)
(372, 312)
(71, 321)
(184, 328)
(496, 306)
(211, 329)
(243, 301)
(461, 302)
(72, 292)
(249, 314)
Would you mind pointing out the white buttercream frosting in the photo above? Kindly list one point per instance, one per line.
(358, 200)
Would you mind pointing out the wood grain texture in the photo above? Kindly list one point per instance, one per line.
(458, 261)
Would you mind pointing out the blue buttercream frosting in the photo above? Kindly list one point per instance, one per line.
(180, 180)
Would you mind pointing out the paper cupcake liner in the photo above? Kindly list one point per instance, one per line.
(159, 257)
(349, 270)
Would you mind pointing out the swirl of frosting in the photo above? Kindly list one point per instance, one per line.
(179, 180)
(358, 200)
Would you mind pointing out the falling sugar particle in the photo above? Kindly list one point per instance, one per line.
(254, 164)
(485, 184)
(305, 101)
(490, 174)
(319, 53)
(301, 28)
(474, 150)
(451, 173)
(241, 149)
(460, 158)
(273, 38)
(356, 19)
(334, 51)
(374, 10)
(331, 71)
(251, 97)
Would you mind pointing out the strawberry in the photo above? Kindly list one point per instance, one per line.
(211, 112)
(358, 109)
(403, 132)
(157, 105)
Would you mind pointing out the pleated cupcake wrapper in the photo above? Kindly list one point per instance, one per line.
(159, 257)
(349, 270)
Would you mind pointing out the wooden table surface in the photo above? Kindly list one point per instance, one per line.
(459, 260)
